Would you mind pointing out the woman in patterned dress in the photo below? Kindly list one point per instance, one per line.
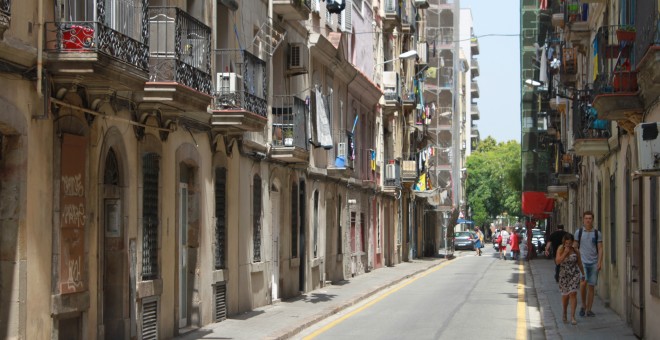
(570, 267)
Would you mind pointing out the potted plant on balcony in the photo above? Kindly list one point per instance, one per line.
(288, 137)
(626, 33)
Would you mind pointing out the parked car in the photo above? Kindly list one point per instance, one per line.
(465, 240)
(538, 240)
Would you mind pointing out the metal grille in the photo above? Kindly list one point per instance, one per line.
(220, 302)
(294, 220)
(221, 216)
(111, 174)
(150, 173)
(5, 7)
(256, 219)
(150, 320)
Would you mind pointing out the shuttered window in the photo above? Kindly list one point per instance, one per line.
(654, 212)
(256, 219)
(221, 217)
(150, 178)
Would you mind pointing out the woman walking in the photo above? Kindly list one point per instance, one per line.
(570, 267)
(479, 241)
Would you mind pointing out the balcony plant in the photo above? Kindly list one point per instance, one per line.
(288, 137)
(624, 80)
(626, 33)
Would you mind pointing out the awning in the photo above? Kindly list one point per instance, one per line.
(536, 204)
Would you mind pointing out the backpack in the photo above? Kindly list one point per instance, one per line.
(580, 234)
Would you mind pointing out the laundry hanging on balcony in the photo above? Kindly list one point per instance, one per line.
(322, 136)
(335, 6)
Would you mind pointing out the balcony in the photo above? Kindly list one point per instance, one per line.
(408, 171)
(475, 132)
(474, 67)
(474, 46)
(445, 37)
(289, 126)
(590, 133)
(408, 22)
(392, 178)
(241, 92)
(5, 16)
(474, 88)
(474, 112)
(392, 90)
(103, 58)
(616, 86)
(292, 9)
(392, 14)
(647, 53)
(179, 61)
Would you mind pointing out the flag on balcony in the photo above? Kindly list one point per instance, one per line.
(595, 59)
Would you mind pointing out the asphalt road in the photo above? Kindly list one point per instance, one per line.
(470, 297)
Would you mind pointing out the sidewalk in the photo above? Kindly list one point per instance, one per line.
(284, 319)
(605, 325)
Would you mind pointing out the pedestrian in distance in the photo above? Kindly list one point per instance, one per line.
(515, 245)
(590, 243)
(502, 241)
(570, 273)
(554, 241)
(480, 240)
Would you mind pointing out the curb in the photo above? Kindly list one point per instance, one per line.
(287, 334)
(548, 319)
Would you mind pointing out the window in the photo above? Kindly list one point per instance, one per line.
(256, 219)
(353, 240)
(150, 178)
(294, 220)
(653, 193)
(613, 219)
(316, 224)
(220, 218)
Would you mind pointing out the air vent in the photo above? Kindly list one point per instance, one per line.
(150, 319)
(220, 302)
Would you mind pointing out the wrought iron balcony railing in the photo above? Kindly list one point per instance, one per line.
(290, 121)
(647, 32)
(586, 124)
(616, 60)
(179, 49)
(95, 37)
(240, 82)
(5, 8)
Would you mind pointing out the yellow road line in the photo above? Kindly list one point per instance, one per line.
(373, 302)
(521, 327)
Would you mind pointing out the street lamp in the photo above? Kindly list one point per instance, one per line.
(404, 55)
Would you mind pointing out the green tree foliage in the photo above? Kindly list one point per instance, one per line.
(494, 180)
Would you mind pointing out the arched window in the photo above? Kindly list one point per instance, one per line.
(111, 174)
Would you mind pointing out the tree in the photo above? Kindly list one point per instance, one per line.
(494, 180)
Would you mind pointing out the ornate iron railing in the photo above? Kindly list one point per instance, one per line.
(179, 49)
(240, 81)
(119, 34)
(93, 37)
(5, 7)
(648, 31)
(586, 124)
(615, 46)
(290, 121)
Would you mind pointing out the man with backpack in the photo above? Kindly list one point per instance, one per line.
(590, 243)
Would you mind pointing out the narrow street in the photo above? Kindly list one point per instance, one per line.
(472, 296)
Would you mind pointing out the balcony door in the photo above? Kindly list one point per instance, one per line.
(183, 255)
(275, 272)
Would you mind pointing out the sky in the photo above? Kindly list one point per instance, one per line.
(499, 67)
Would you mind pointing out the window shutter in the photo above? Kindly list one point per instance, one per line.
(346, 23)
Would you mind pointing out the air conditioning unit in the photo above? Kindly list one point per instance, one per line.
(296, 56)
(648, 146)
(341, 150)
(228, 82)
(390, 171)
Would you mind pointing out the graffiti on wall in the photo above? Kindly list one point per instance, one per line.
(73, 217)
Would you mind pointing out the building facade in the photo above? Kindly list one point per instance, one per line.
(590, 121)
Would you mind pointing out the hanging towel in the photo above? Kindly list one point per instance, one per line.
(323, 134)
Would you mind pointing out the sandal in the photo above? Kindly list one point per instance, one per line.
(565, 319)
(573, 322)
